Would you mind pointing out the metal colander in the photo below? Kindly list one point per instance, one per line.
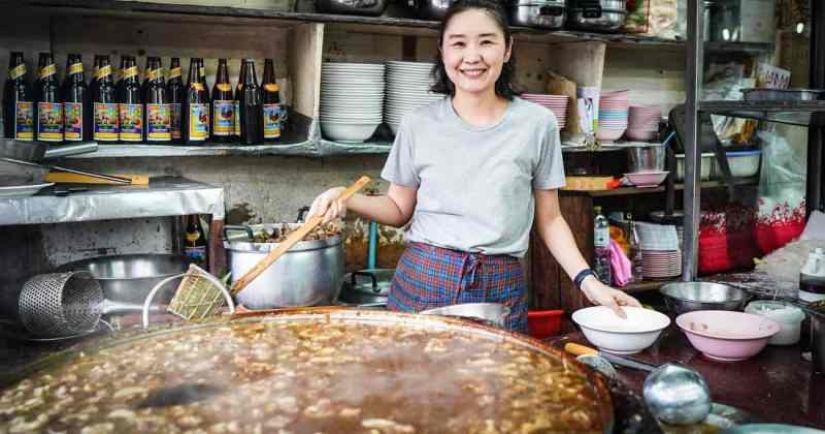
(60, 304)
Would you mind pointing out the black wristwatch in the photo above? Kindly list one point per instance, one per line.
(583, 275)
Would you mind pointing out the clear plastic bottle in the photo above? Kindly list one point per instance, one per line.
(601, 244)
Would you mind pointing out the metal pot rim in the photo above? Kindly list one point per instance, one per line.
(246, 246)
(72, 266)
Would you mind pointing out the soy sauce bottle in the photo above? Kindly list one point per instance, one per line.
(106, 120)
(223, 106)
(252, 131)
(18, 107)
(77, 110)
(196, 106)
(50, 104)
(272, 109)
(176, 93)
(158, 118)
(130, 102)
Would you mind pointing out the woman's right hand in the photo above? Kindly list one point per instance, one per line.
(328, 205)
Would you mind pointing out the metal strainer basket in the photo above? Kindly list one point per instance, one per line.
(60, 304)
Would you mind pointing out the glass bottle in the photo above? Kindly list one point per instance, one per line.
(272, 109)
(223, 106)
(18, 107)
(158, 119)
(106, 117)
(130, 102)
(176, 92)
(252, 132)
(77, 109)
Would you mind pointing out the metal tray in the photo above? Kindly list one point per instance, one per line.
(753, 94)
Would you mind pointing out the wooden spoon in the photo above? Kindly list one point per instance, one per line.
(291, 240)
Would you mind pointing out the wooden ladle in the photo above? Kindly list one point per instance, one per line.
(291, 240)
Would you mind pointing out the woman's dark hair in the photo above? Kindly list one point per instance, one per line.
(505, 86)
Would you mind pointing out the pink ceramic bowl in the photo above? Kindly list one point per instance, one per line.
(727, 336)
(647, 179)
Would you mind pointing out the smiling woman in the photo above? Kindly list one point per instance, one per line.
(473, 171)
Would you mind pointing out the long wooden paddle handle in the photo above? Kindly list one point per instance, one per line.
(578, 350)
(291, 240)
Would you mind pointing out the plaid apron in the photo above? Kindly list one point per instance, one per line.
(428, 277)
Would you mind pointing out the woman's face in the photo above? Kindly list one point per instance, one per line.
(474, 51)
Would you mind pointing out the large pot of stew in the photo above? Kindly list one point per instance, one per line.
(307, 371)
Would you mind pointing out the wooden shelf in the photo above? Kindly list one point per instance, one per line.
(633, 191)
(382, 24)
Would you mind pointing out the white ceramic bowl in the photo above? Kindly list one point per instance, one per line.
(613, 334)
(708, 164)
(350, 132)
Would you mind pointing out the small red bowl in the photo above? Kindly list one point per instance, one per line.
(544, 323)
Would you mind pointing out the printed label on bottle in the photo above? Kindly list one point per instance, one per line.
(129, 72)
(48, 71)
(271, 87)
(175, 73)
(224, 87)
(158, 123)
(237, 120)
(131, 122)
(198, 122)
(224, 122)
(198, 254)
(50, 121)
(73, 121)
(154, 74)
(198, 87)
(18, 71)
(107, 71)
(106, 122)
(24, 121)
(76, 68)
(176, 116)
(272, 121)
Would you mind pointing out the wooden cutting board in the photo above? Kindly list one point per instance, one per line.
(71, 178)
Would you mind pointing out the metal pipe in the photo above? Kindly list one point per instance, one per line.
(693, 84)
(815, 188)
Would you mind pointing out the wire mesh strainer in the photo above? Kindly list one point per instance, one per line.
(60, 304)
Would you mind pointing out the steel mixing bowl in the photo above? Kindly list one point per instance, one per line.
(682, 297)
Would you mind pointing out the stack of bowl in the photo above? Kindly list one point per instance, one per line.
(556, 103)
(643, 123)
(352, 100)
(408, 87)
(613, 108)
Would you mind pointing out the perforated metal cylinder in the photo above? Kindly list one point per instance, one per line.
(60, 304)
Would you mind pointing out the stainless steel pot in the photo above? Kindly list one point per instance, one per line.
(546, 15)
(353, 7)
(646, 158)
(129, 278)
(308, 274)
(682, 297)
(367, 287)
(490, 314)
(603, 15)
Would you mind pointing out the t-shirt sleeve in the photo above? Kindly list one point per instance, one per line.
(400, 166)
(549, 172)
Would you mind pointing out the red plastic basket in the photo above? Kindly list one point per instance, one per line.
(544, 323)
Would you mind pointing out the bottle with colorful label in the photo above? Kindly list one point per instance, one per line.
(223, 106)
(195, 246)
(272, 108)
(176, 92)
(130, 102)
(18, 108)
(196, 106)
(50, 104)
(106, 121)
(158, 115)
(77, 112)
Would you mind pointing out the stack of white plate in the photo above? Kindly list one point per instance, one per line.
(659, 264)
(352, 100)
(408, 87)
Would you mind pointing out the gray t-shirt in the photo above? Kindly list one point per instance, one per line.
(475, 184)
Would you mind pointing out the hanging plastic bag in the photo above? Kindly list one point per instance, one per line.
(781, 216)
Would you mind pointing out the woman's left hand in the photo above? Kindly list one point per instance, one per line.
(601, 294)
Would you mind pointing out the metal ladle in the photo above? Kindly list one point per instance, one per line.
(675, 394)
